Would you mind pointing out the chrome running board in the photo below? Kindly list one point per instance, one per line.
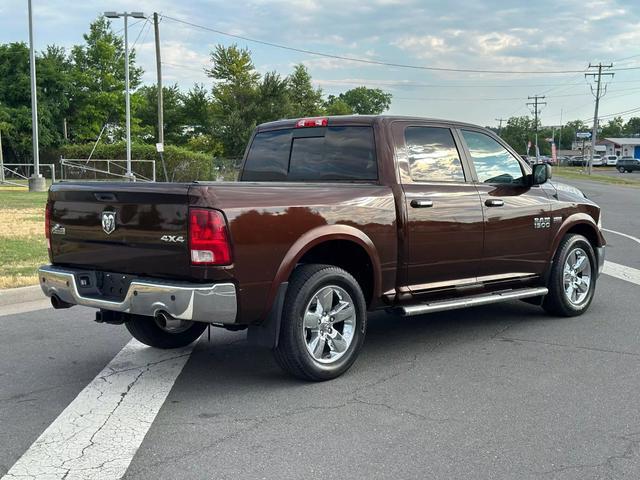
(472, 301)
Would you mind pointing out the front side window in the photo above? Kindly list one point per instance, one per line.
(493, 163)
(432, 155)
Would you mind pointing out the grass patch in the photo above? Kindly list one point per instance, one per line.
(23, 247)
(577, 173)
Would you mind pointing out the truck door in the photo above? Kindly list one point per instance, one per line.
(444, 224)
(517, 217)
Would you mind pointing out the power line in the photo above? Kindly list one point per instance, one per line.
(498, 99)
(374, 62)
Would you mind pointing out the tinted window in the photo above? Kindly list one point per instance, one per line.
(493, 163)
(344, 153)
(432, 155)
(268, 156)
(334, 153)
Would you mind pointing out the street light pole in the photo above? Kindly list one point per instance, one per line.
(36, 181)
(127, 101)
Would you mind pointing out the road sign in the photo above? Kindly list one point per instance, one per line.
(583, 134)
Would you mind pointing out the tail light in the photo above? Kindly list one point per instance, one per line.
(312, 122)
(47, 224)
(208, 237)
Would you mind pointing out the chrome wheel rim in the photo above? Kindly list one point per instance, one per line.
(577, 276)
(329, 324)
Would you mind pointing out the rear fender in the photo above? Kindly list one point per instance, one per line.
(315, 237)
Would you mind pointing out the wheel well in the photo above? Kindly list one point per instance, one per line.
(349, 256)
(586, 231)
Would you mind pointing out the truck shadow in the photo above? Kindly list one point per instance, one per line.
(228, 361)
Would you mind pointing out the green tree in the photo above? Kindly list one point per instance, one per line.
(272, 98)
(198, 111)
(97, 93)
(518, 132)
(632, 127)
(366, 101)
(306, 101)
(337, 106)
(569, 131)
(146, 111)
(235, 97)
(15, 99)
(613, 128)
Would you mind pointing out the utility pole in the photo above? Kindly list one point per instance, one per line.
(536, 111)
(36, 181)
(160, 145)
(599, 93)
(560, 135)
(1, 161)
(127, 101)
(500, 125)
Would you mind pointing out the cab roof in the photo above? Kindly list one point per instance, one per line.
(361, 120)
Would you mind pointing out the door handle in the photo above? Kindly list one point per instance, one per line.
(418, 203)
(494, 202)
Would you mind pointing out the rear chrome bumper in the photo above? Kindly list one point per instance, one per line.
(600, 255)
(210, 303)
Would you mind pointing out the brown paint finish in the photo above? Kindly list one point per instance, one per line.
(272, 225)
(511, 243)
(434, 252)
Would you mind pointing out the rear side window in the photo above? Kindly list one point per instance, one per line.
(268, 156)
(314, 154)
(432, 154)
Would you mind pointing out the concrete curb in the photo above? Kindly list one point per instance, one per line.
(13, 296)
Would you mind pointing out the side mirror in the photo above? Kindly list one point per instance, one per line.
(541, 173)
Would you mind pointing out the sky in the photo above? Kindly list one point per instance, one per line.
(516, 36)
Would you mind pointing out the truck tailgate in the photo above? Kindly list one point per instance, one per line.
(129, 228)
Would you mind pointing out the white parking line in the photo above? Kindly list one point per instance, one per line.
(98, 434)
(630, 237)
(622, 272)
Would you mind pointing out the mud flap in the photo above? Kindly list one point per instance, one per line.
(267, 333)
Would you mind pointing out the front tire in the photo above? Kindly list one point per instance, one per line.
(573, 277)
(158, 334)
(323, 323)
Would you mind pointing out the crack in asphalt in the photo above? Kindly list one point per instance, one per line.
(91, 443)
(564, 345)
(633, 444)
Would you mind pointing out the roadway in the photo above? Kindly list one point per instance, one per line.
(501, 392)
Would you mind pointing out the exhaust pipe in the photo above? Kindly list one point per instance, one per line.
(168, 322)
(58, 304)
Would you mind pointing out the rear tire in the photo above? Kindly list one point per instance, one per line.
(323, 323)
(573, 278)
(146, 330)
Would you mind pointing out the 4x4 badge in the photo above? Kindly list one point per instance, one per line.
(108, 222)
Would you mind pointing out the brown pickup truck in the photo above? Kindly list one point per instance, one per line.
(331, 218)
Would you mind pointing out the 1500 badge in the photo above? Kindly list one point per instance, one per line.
(172, 238)
(541, 222)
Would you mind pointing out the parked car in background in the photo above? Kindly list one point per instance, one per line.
(581, 161)
(628, 164)
(611, 160)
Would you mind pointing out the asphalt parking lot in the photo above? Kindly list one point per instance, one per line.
(500, 392)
